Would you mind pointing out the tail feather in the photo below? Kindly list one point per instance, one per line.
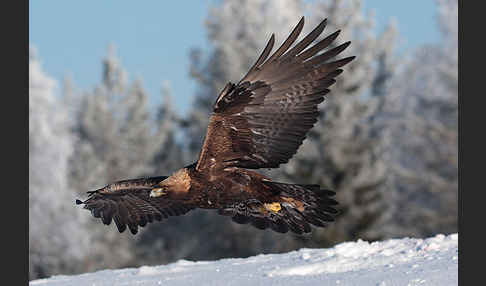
(297, 207)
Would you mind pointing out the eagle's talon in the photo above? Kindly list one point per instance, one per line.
(274, 207)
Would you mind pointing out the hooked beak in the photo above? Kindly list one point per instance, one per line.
(155, 193)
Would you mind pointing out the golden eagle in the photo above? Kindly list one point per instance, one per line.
(258, 123)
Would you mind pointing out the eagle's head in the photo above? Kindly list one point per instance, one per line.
(178, 184)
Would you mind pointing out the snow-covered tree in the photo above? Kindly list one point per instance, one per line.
(117, 138)
(170, 155)
(421, 116)
(56, 234)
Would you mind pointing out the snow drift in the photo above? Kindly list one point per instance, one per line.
(407, 261)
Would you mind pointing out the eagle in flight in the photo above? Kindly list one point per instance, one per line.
(259, 122)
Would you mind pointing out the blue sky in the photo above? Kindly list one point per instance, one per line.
(72, 37)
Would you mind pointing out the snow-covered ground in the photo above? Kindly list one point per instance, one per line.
(406, 261)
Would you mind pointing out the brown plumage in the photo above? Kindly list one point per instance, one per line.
(258, 123)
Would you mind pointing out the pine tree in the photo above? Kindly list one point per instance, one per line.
(56, 234)
(421, 116)
(169, 156)
(118, 138)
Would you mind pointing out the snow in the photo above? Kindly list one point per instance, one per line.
(407, 261)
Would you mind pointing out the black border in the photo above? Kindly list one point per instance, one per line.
(471, 111)
(14, 119)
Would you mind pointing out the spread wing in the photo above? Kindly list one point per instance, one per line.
(129, 204)
(261, 121)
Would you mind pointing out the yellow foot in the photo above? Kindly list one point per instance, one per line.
(274, 207)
